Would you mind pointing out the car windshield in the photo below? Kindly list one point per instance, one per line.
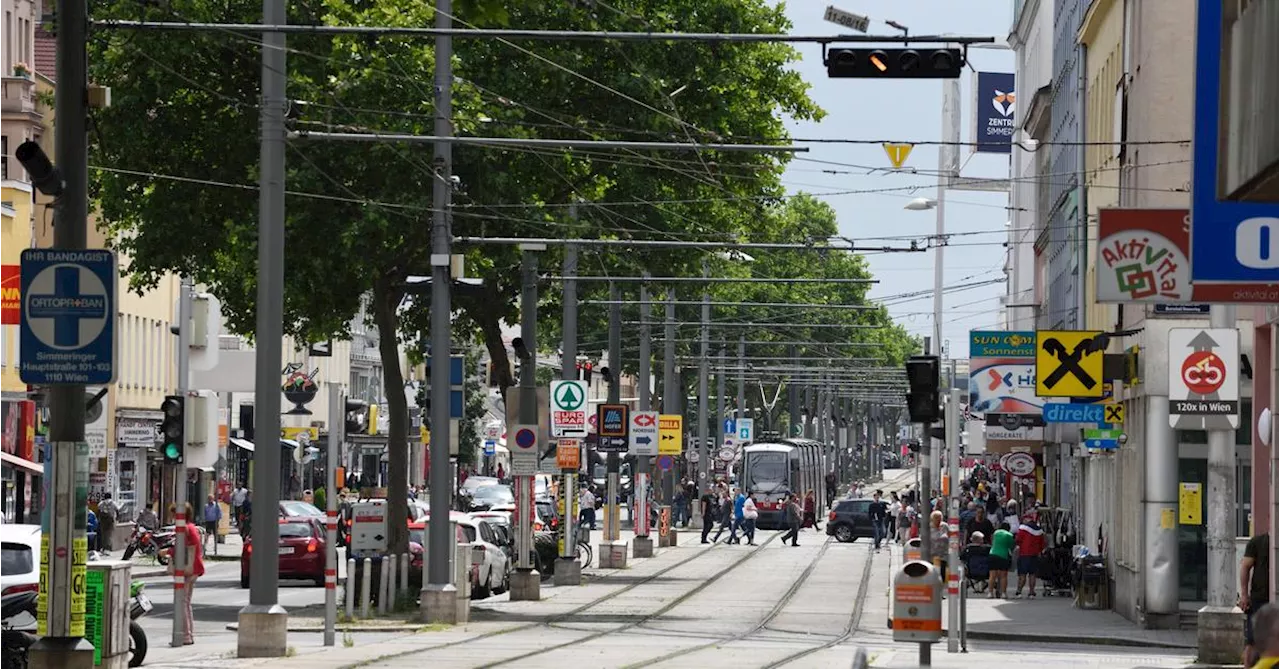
(495, 494)
(474, 482)
(295, 531)
(298, 508)
(15, 559)
(766, 472)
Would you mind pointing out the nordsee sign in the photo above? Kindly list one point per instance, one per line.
(1073, 413)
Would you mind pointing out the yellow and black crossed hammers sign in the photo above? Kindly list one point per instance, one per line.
(1069, 363)
(1113, 414)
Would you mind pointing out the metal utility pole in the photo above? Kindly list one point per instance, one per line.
(719, 411)
(263, 622)
(1221, 492)
(793, 397)
(742, 376)
(953, 522)
(950, 118)
(180, 519)
(671, 387)
(642, 546)
(568, 571)
(439, 596)
(62, 644)
(525, 582)
(704, 451)
(612, 516)
(337, 435)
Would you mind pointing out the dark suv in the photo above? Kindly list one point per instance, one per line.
(850, 519)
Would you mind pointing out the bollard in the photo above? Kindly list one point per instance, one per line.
(382, 586)
(405, 565)
(964, 613)
(350, 594)
(393, 592)
(366, 587)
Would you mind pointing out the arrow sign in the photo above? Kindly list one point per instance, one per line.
(644, 441)
(644, 433)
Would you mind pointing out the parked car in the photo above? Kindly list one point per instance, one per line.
(486, 497)
(539, 521)
(490, 566)
(19, 558)
(849, 520)
(296, 508)
(300, 551)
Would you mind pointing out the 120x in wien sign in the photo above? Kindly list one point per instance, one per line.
(1204, 378)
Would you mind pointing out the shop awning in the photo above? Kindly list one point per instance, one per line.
(22, 463)
(241, 443)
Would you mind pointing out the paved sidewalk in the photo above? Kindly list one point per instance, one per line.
(1042, 619)
(145, 567)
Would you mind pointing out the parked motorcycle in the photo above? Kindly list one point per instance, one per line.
(17, 628)
(139, 605)
(156, 545)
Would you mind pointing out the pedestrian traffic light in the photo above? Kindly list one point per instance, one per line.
(881, 63)
(922, 379)
(173, 428)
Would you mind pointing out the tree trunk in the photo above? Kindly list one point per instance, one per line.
(491, 331)
(385, 301)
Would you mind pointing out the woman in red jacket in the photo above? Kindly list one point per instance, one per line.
(1030, 541)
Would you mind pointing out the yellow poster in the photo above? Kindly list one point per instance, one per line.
(1189, 503)
(670, 434)
(1168, 519)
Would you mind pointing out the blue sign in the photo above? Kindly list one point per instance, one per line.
(525, 438)
(68, 330)
(665, 462)
(1002, 344)
(1231, 242)
(1057, 412)
(730, 427)
(995, 112)
(457, 399)
(490, 447)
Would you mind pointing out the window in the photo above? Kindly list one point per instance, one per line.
(15, 559)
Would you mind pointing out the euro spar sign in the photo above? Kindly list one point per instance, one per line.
(568, 408)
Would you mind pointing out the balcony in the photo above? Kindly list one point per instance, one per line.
(19, 100)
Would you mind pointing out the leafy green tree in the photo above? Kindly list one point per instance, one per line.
(187, 104)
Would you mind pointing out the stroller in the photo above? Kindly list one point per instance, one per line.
(977, 569)
(1054, 571)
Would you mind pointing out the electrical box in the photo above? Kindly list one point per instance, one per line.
(917, 603)
(106, 611)
(369, 528)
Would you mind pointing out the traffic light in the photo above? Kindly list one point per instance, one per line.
(173, 428)
(881, 63)
(586, 368)
(922, 398)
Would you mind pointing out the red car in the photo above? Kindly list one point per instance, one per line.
(301, 551)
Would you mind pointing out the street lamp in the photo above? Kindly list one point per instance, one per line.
(921, 204)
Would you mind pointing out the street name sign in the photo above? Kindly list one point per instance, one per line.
(849, 20)
(68, 326)
(568, 408)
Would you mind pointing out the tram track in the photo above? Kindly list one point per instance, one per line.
(552, 620)
(648, 617)
(773, 613)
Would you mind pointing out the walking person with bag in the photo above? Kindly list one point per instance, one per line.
(749, 515)
(794, 513)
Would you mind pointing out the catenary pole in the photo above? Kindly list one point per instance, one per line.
(67, 547)
(612, 483)
(263, 622)
(704, 452)
(671, 387)
(642, 547)
(439, 595)
(180, 519)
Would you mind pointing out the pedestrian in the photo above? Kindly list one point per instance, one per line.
(106, 522)
(237, 503)
(502, 472)
(147, 519)
(1255, 588)
(587, 504)
(190, 571)
(794, 512)
(810, 511)
(1030, 541)
(1001, 558)
(726, 511)
(980, 523)
(246, 520)
(710, 504)
(939, 543)
(209, 520)
(679, 507)
(831, 488)
(749, 516)
(739, 519)
(879, 512)
(970, 510)
(93, 537)
(1265, 621)
(905, 515)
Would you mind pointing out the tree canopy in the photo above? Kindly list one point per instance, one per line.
(176, 160)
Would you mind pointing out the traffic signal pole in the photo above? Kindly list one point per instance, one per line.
(525, 582)
(642, 545)
(180, 520)
(62, 559)
(568, 571)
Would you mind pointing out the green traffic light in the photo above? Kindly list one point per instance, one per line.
(172, 451)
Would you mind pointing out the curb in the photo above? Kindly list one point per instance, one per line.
(1091, 640)
(383, 629)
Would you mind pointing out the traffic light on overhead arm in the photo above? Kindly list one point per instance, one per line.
(173, 428)
(881, 63)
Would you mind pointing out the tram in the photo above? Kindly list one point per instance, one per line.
(770, 471)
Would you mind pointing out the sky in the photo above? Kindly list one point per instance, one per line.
(906, 111)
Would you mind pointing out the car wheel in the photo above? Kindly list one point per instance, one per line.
(844, 534)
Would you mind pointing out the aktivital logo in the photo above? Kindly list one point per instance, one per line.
(1003, 102)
